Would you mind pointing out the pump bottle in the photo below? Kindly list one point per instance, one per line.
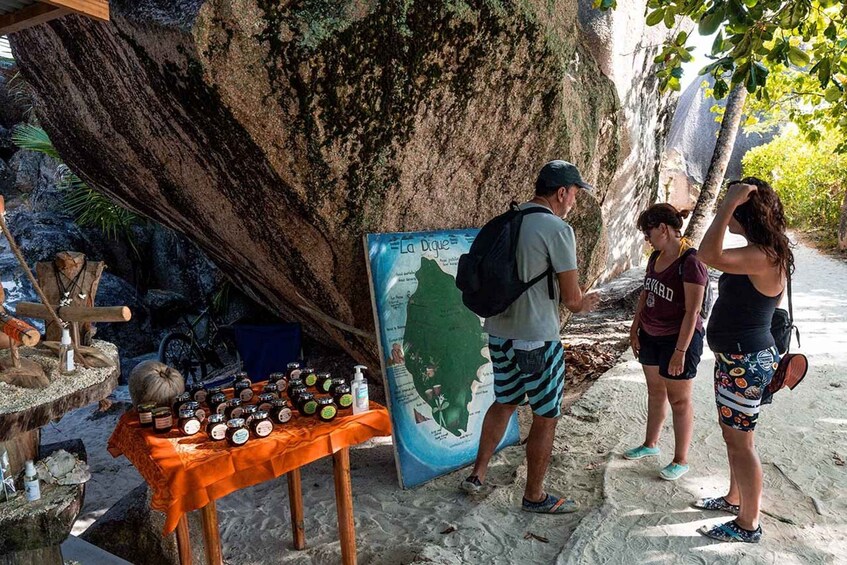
(66, 354)
(31, 486)
(361, 402)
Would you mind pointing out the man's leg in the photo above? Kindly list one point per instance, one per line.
(493, 428)
(539, 446)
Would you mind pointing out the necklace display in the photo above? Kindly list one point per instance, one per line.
(66, 291)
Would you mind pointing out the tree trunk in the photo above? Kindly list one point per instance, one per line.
(842, 225)
(717, 168)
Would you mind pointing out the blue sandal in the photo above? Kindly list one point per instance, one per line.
(731, 532)
(550, 505)
(718, 504)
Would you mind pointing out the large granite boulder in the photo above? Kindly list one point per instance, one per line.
(275, 134)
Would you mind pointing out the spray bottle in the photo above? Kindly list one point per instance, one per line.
(66, 354)
(361, 402)
(31, 486)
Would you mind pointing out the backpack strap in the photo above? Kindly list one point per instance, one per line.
(549, 272)
(791, 316)
(685, 255)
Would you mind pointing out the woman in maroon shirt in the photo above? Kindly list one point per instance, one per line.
(667, 333)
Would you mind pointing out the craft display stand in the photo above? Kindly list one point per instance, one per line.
(161, 458)
(83, 282)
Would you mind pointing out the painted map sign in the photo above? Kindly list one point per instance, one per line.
(433, 350)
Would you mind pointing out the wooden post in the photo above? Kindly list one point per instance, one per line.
(344, 505)
(295, 501)
(183, 541)
(21, 447)
(14, 354)
(211, 534)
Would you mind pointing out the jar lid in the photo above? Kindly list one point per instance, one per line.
(260, 415)
(307, 395)
(272, 387)
(214, 390)
(241, 375)
(161, 410)
(215, 418)
(339, 380)
(234, 402)
(192, 405)
(324, 376)
(147, 407)
(293, 365)
(325, 400)
(266, 396)
(235, 423)
(308, 370)
(279, 403)
(276, 376)
(186, 413)
(243, 381)
(183, 396)
(250, 409)
(217, 397)
(195, 386)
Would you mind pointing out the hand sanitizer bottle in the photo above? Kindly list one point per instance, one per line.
(361, 403)
(31, 486)
(66, 354)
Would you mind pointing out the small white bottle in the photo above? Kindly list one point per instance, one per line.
(31, 485)
(66, 354)
(361, 402)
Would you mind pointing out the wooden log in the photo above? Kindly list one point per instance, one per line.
(344, 505)
(18, 330)
(22, 372)
(295, 502)
(211, 534)
(21, 448)
(75, 313)
(183, 541)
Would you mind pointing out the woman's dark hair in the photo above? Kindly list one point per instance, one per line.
(661, 214)
(763, 220)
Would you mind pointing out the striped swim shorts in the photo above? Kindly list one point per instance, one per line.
(537, 375)
(741, 382)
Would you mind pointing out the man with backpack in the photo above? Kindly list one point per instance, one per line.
(529, 243)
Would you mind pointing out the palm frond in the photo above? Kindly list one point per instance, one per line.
(33, 138)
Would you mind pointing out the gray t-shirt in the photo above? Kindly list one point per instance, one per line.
(545, 239)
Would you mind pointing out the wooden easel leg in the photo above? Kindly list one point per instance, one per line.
(211, 534)
(183, 541)
(344, 506)
(295, 501)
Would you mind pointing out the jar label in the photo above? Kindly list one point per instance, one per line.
(311, 379)
(240, 436)
(200, 413)
(264, 428)
(218, 431)
(325, 385)
(265, 406)
(346, 400)
(236, 412)
(246, 394)
(200, 395)
(310, 407)
(328, 412)
(221, 409)
(164, 422)
(191, 427)
(284, 415)
(145, 417)
(294, 374)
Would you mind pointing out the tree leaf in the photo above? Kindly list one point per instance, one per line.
(655, 17)
(798, 57)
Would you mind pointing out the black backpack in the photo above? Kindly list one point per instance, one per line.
(488, 273)
(708, 295)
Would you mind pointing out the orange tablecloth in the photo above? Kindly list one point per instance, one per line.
(186, 473)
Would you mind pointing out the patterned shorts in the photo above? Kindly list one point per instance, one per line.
(741, 382)
(538, 375)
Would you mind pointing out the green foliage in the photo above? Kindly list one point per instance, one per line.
(89, 207)
(808, 177)
(803, 42)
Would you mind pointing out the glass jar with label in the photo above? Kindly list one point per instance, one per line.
(233, 409)
(261, 425)
(306, 404)
(217, 402)
(326, 409)
(324, 382)
(236, 433)
(247, 412)
(295, 382)
(198, 393)
(198, 410)
(292, 370)
(163, 420)
(216, 427)
(271, 388)
(310, 378)
(180, 400)
(189, 424)
(265, 401)
(336, 382)
(243, 390)
(281, 411)
(342, 395)
(280, 380)
(295, 392)
(145, 415)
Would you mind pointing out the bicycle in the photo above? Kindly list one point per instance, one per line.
(192, 355)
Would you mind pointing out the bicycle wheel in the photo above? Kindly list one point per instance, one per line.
(176, 351)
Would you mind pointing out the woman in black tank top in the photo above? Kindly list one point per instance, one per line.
(739, 334)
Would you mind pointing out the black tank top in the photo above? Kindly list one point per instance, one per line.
(741, 318)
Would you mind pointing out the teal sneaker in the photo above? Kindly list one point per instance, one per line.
(641, 452)
(673, 471)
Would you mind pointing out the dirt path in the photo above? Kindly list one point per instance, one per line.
(801, 438)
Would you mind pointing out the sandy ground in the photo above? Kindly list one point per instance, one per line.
(628, 516)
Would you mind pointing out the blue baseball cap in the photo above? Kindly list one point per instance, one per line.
(561, 173)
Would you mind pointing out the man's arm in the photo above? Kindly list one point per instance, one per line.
(572, 295)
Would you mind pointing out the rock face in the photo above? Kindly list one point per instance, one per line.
(275, 134)
(691, 143)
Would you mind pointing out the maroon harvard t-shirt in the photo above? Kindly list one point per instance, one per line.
(665, 306)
